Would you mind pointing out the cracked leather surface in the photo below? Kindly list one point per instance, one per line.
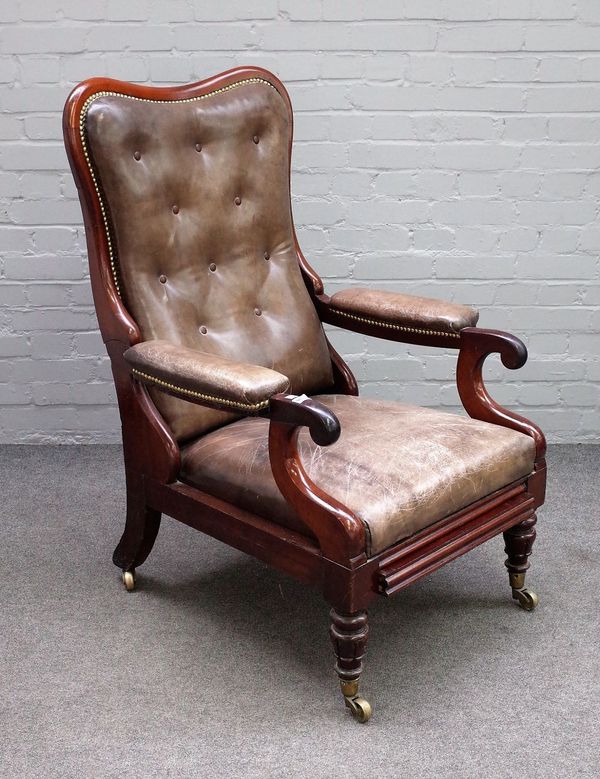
(405, 310)
(398, 467)
(209, 374)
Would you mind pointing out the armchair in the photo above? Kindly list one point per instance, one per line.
(238, 417)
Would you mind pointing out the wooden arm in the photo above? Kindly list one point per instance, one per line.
(475, 345)
(150, 448)
(300, 411)
(340, 533)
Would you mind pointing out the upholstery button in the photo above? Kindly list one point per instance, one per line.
(257, 311)
(137, 155)
(203, 330)
(162, 278)
(175, 209)
(212, 267)
(237, 200)
(198, 147)
(267, 256)
(255, 139)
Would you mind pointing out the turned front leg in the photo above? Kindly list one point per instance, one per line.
(518, 544)
(349, 634)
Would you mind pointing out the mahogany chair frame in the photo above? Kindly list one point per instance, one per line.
(335, 561)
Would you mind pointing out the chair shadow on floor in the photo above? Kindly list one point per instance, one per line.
(280, 617)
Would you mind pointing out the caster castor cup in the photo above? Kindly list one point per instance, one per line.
(360, 708)
(527, 599)
(128, 578)
(518, 543)
(349, 633)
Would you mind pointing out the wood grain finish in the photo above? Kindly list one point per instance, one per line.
(476, 345)
(344, 381)
(349, 635)
(518, 542)
(425, 552)
(141, 527)
(341, 534)
(284, 549)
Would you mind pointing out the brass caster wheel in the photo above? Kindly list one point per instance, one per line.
(129, 580)
(360, 708)
(527, 599)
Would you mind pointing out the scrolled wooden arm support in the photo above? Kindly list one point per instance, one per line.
(322, 423)
(340, 533)
(476, 345)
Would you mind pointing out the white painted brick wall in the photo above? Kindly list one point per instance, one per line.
(443, 147)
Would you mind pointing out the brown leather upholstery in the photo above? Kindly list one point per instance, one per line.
(210, 378)
(198, 198)
(398, 467)
(404, 310)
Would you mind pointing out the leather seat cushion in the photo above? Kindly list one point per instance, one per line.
(397, 467)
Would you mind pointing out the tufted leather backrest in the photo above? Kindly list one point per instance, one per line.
(196, 194)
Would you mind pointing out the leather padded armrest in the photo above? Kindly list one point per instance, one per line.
(207, 379)
(403, 312)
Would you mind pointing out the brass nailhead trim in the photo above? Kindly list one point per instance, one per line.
(390, 326)
(83, 137)
(192, 393)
